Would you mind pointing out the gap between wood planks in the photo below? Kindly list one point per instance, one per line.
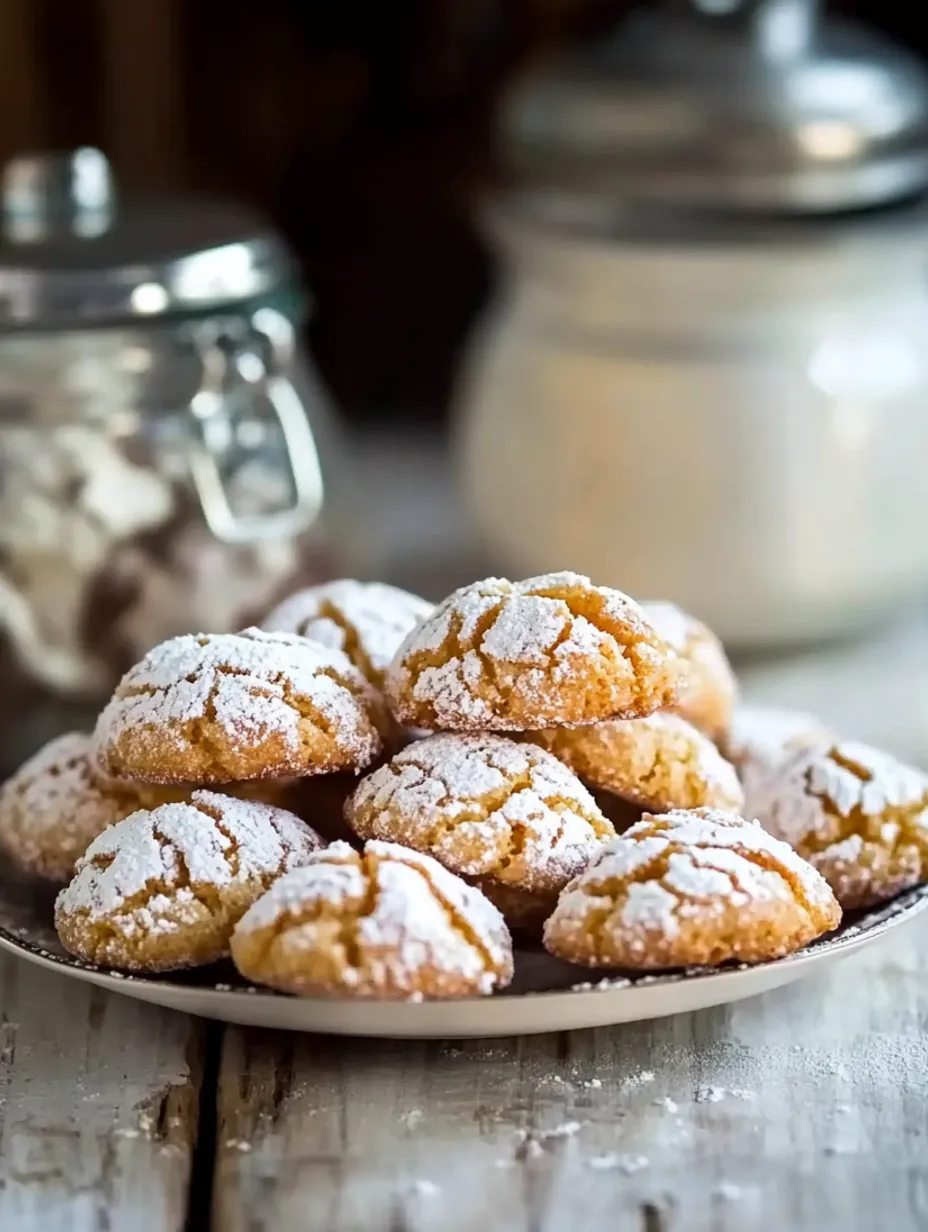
(206, 1147)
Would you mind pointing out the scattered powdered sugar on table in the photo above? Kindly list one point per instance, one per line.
(246, 682)
(423, 1188)
(616, 1162)
(709, 1095)
(728, 1191)
(336, 614)
(497, 788)
(213, 841)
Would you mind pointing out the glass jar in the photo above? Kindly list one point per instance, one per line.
(159, 470)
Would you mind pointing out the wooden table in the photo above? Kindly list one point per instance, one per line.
(804, 1108)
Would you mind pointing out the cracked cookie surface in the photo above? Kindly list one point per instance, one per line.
(658, 763)
(708, 689)
(760, 739)
(218, 708)
(366, 620)
(55, 805)
(552, 650)
(163, 889)
(855, 813)
(509, 817)
(386, 922)
(697, 887)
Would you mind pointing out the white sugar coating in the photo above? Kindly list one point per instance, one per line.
(843, 778)
(247, 680)
(713, 868)
(53, 807)
(464, 798)
(533, 628)
(525, 631)
(768, 734)
(721, 831)
(344, 614)
(143, 863)
(670, 622)
(411, 920)
(712, 767)
(648, 906)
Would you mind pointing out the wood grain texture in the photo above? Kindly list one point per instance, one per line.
(802, 1108)
(98, 1107)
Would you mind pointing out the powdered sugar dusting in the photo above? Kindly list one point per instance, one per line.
(701, 863)
(464, 798)
(53, 807)
(213, 841)
(719, 829)
(841, 779)
(532, 632)
(671, 622)
(375, 616)
(412, 920)
(248, 680)
(768, 734)
(650, 907)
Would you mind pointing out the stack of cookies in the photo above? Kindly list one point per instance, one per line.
(369, 796)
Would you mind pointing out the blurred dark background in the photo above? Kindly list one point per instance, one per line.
(361, 128)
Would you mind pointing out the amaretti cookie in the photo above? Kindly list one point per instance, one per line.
(218, 708)
(657, 763)
(386, 923)
(54, 806)
(509, 817)
(550, 651)
(366, 620)
(690, 888)
(760, 739)
(857, 814)
(164, 888)
(708, 689)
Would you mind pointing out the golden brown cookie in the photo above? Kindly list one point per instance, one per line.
(553, 651)
(858, 815)
(708, 688)
(658, 763)
(54, 806)
(509, 817)
(366, 620)
(164, 888)
(387, 923)
(760, 739)
(221, 708)
(690, 888)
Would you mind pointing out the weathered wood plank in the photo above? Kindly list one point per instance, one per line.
(98, 1107)
(802, 1108)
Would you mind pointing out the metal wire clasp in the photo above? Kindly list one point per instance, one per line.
(249, 418)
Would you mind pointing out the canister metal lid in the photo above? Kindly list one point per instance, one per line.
(744, 105)
(73, 254)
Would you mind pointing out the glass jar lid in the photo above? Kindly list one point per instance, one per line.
(72, 254)
(731, 105)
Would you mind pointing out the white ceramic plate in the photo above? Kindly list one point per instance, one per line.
(544, 997)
